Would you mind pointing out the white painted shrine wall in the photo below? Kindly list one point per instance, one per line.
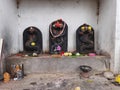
(41, 13)
(117, 40)
(9, 25)
(107, 28)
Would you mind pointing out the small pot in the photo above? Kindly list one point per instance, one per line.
(85, 68)
(85, 71)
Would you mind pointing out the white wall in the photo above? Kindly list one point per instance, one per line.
(107, 28)
(8, 25)
(41, 13)
(117, 39)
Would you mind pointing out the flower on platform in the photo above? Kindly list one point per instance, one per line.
(58, 48)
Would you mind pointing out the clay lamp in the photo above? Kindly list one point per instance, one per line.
(85, 70)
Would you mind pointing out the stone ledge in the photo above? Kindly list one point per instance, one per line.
(45, 64)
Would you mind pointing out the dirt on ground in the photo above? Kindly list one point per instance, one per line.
(59, 82)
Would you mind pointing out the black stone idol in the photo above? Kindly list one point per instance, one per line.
(58, 37)
(32, 40)
(85, 39)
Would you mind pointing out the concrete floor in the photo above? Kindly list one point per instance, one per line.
(59, 82)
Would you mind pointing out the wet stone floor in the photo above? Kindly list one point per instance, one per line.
(59, 82)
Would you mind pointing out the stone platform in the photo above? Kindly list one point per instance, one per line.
(52, 64)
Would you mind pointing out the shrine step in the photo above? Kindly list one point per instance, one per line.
(48, 64)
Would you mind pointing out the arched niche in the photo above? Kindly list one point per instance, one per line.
(32, 40)
(58, 37)
(85, 39)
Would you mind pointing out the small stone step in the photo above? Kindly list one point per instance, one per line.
(48, 64)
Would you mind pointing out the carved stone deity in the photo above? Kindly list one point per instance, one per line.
(85, 39)
(32, 40)
(58, 37)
